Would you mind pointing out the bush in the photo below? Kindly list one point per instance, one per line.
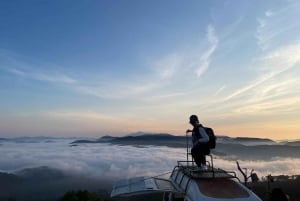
(81, 195)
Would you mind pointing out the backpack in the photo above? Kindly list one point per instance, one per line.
(212, 138)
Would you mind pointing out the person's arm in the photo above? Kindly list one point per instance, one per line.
(204, 137)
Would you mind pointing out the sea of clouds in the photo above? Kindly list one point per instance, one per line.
(113, 162)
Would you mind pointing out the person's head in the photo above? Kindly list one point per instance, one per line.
(194, 120)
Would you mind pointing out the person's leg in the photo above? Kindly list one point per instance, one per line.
(202, 158)
(195, 154)
(201, 154)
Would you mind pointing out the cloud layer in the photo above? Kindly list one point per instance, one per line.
(112, 162)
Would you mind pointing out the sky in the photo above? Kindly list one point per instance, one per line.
(92, 68)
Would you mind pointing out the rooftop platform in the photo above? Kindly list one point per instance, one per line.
(191, 170)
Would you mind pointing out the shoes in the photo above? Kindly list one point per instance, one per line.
(201, 168)
(198, 168)
(204, 167)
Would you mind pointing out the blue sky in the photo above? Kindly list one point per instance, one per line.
(90, 68)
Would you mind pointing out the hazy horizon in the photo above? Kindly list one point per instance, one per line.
(134, 134)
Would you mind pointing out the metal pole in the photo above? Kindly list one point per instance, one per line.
(187, 149)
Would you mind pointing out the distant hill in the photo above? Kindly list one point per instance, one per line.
(160, 139)
(246, 140)
(35, 139)
(165, 139)
(257, 152)
(231, 148)
(3, 139)
(295, 143)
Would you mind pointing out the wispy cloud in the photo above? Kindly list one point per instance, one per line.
(20, 67)
(168, 75)
(103, 88)
(276, 23)
(98, 92)
(220, 90)
(169, 65)
(173, 73)
(43, 76)
(120, 89)
(197, 58)
(173, 69)
(270, 107)
(272, 65)
(79, 115)
(205, 58)
(268, 13)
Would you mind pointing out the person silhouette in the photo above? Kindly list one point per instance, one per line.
(199, 140)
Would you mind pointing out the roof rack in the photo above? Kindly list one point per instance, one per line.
(187, 170)
(209, 173)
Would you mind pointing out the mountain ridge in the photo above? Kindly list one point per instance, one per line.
(228, 147)
(156, 137)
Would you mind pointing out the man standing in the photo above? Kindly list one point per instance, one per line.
(200, 140)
